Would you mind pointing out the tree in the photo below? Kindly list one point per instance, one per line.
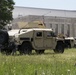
(6, 7)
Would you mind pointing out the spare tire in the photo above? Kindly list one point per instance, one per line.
(4, 37)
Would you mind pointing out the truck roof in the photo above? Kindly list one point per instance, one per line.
(37, 29)
(15, 31)
(71, 38)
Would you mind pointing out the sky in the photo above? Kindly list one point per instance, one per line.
(50, 4)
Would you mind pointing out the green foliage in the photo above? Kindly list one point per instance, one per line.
(6, 7)
(45, 64)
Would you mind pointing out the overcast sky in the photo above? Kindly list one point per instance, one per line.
(52, 4)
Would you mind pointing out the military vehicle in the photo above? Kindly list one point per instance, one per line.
(38, 39)
(69, 41)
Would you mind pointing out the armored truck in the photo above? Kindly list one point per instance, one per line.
(38, 39)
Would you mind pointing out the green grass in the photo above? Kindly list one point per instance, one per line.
(45, 64)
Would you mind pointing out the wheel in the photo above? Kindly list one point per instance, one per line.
(4, 37)
(39, 51)
(59, 48)
(25, 48)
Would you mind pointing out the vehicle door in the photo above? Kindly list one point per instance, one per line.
(38, 39)
(49, 39)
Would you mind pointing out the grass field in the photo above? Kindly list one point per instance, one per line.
(45, 64)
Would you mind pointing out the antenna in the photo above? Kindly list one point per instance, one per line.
(44, 16)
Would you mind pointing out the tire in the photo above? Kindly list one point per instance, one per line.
(4, 37)
(59, 48)
(39, 51)
(26, 49)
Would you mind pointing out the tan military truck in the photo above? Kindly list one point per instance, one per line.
(38, 39)
(34, 36)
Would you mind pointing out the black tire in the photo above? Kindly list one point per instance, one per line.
(25, 49)
(39, 51)
(4, 37)
(59, 48)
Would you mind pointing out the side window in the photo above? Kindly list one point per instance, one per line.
(51, 34)
(48, 34)
(39, 34)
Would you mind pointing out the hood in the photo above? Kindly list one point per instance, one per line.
(13, 32)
